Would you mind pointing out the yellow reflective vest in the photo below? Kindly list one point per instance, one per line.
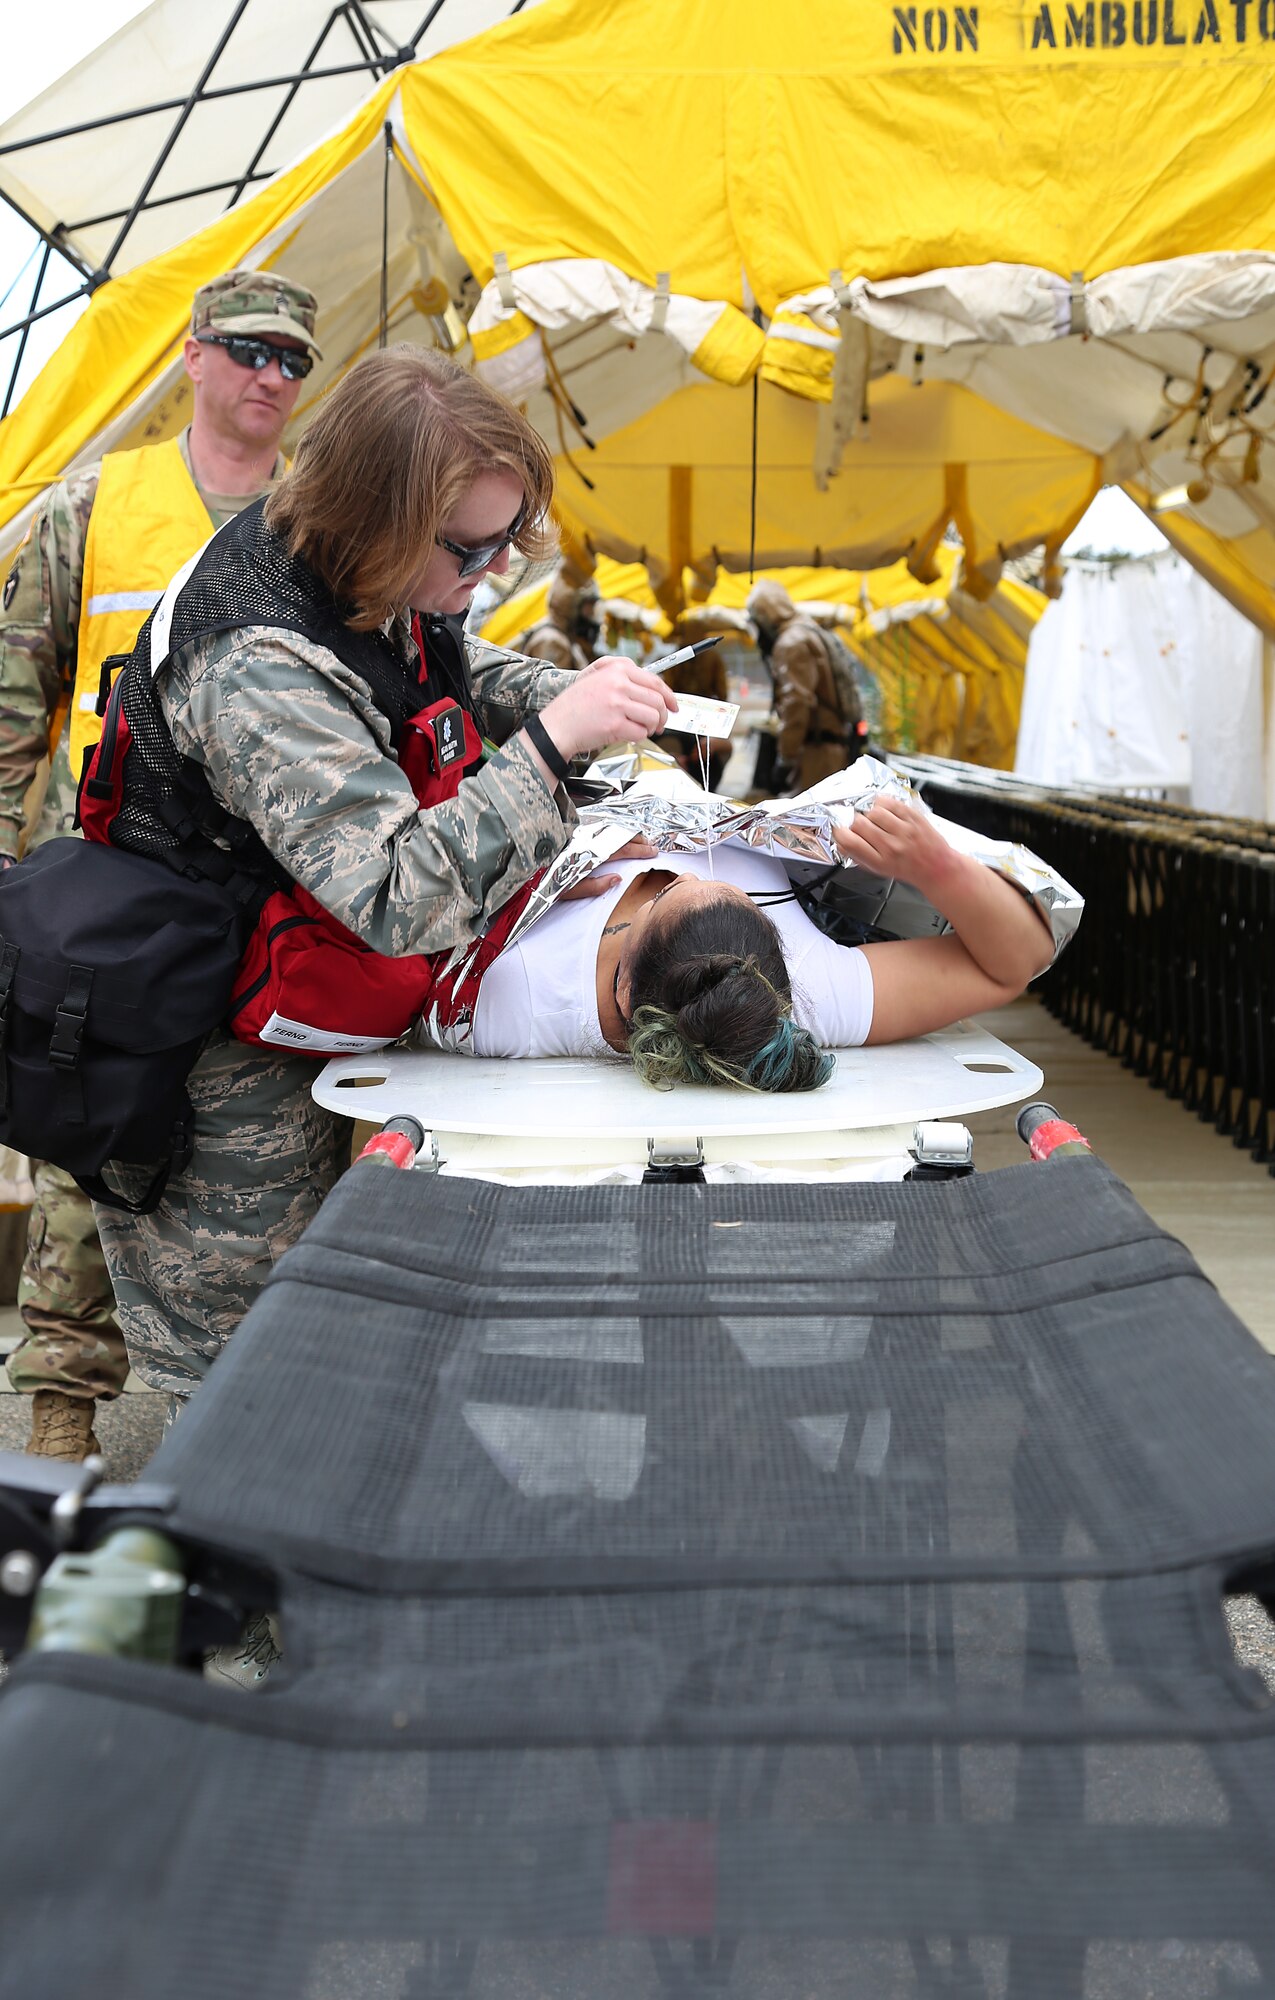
(147, 520)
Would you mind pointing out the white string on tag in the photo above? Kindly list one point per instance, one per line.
(702, 746)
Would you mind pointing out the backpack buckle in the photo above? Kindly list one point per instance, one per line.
(69, 1019)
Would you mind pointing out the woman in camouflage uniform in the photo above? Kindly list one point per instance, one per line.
(410, 485)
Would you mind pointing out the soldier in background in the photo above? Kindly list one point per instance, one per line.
(816, 699)
(96, 557)
(568, 634)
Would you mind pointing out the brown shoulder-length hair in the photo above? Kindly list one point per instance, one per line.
(388, 456)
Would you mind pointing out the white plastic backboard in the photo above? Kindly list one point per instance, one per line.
(942, 1076)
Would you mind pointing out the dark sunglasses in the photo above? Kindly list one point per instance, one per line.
(479, 555)
(294, 364)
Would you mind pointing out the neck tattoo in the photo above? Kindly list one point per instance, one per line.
(613, 930)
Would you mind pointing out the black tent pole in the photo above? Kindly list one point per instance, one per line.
(250, 170)
(176, 104)
(49, 236)
(426, 25)
(171, 141)
(167, 200)
(365, 32)
(385, 237)
(752, 491)
(42, 312)
(22, 344)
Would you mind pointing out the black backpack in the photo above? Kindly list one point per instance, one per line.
(113, 972)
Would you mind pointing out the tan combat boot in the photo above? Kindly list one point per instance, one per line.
(62, 1427)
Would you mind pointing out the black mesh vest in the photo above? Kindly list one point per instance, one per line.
(245, 577)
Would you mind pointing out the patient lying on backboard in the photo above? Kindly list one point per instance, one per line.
(703, 968)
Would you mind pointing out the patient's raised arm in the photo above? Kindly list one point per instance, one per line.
(1000, 940)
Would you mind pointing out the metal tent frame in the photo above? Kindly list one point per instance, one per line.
(348, 20)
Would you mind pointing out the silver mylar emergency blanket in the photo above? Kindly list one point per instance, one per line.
(677, 816)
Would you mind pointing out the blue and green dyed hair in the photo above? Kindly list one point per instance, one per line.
(712, 1003)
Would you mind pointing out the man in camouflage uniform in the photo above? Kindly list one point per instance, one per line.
(72, 1351)
(567, 635)
(818, 707)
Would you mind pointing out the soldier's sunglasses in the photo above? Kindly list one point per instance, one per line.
(480, 555)
(294, 363)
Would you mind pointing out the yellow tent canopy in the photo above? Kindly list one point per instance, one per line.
(975, 262)
(949, 667)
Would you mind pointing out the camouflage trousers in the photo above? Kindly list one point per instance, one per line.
(265, 1156)
(72, 1342)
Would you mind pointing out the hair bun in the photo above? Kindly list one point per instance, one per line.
(691, 978)
(712, 1003)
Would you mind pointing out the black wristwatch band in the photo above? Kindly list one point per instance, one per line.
(544, 743)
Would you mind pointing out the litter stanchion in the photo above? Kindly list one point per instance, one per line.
(396, 1144)
(1047, 1135)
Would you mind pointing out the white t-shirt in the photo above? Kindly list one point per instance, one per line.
(540, 997)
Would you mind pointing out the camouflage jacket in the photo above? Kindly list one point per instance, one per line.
(39, 633)
(291, 741)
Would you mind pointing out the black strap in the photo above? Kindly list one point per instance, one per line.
(8, 968)
(111, 666)
(181, 1145)
(197, 819)
(446, 659)
(65, 1043)
(97, 1190)
(539, 737)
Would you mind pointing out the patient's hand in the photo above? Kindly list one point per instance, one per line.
(637, 849)
(891, 838)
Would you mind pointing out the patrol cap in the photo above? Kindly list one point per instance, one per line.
(250, 302)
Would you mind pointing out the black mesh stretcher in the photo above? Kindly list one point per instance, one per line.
(762, 1590)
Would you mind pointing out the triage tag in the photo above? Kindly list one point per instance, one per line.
(697, 715)
(448, 732)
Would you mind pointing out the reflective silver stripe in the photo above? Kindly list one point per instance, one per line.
(123, 600)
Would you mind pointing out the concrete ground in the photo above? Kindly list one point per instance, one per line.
(128, 1430)
(1195, 1184)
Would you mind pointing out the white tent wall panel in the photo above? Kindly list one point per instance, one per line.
(1090, 395)
(157, 58)
(1142, 675)
(1223, 661)
(612, 379)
